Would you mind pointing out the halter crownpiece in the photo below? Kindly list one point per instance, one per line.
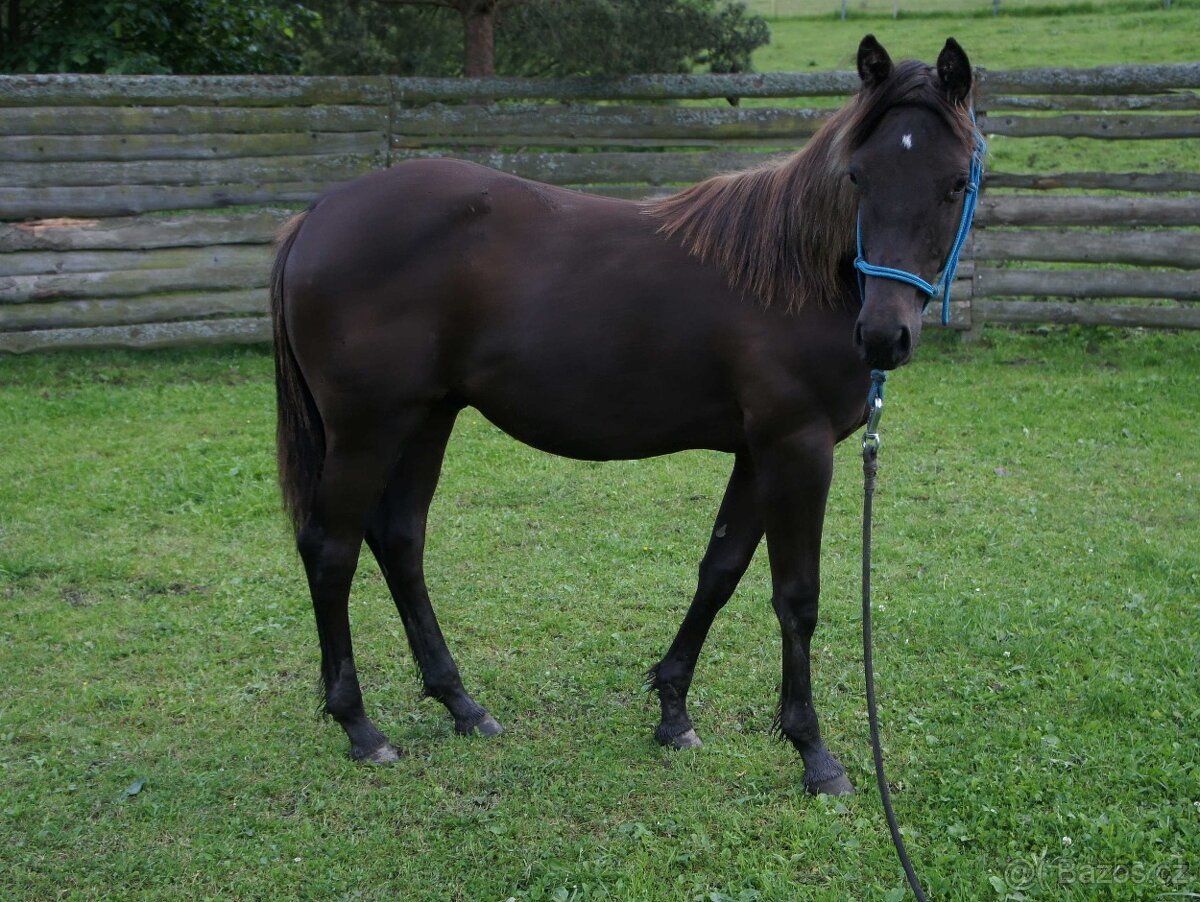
(946, 277)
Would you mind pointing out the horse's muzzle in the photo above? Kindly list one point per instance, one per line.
(883, 348)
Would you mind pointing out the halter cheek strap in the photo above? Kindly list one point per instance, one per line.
(946, 277)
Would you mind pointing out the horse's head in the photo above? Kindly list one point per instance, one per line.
(909, 163)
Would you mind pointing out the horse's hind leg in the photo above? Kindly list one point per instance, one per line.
(735, 535)
(352, 477)
(396, 536)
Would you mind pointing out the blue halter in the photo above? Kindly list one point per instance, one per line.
(946, 277)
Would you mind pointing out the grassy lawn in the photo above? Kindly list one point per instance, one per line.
(1130, 35)
(1038, 568)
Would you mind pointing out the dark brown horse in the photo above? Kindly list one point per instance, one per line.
(725, 317)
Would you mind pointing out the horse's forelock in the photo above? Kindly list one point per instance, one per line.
(912, 83)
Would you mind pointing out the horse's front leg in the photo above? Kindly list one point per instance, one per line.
(735, 535)
(794, 472)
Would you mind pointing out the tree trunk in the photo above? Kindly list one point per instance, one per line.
(479, 19)
(10, 35)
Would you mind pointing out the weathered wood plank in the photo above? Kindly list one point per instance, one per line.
(243, 330)
(628, 192)
(551, 124)
(455, 146)
(123, 200)
(1065, 313)
(36, 263)
(122, 147)
(1119, 181)
(1180, 100)
(121, 120)
(1142, 248)
(632, 87)
(87, 90)
(1133, 79)
(1079, 125)
(960, 309)
(130, 311)
(191, 90)
(998, 209)
(1129, 79)
(1086, 283)
(654, 168)
(142, 232)
(129, 283)
(316, 168)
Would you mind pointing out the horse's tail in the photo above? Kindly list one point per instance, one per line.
(299, 432)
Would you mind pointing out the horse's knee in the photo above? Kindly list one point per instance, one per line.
(797, 603)
(399, 542)
(718, 579)
(326, 558)
(309, 541)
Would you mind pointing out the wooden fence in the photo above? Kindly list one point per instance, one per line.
(138, 211)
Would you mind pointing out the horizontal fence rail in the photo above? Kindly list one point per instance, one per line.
(139, 210)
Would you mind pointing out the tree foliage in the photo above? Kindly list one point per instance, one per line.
(149, 36)
(613, 37)
(536, 38)
(401, 37)
(371, 37)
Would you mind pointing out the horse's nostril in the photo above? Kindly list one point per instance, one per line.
(858, 336)
(904, 344)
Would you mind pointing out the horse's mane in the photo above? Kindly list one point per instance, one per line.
(784, 232)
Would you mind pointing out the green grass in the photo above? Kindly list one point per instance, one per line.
(1006, 42)
(831, 9)
(1037, 572)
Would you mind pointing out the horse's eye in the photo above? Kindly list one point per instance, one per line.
(960, 185)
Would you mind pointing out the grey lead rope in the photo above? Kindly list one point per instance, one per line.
(870, 467)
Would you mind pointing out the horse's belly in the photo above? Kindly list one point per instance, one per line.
(592, 411)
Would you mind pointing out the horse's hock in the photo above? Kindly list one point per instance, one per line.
(138, 211)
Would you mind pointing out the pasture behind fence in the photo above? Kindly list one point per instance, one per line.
(139, 210)
(777, 9)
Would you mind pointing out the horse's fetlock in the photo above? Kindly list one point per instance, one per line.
(344, 700)
(671, 677)
(799, 725)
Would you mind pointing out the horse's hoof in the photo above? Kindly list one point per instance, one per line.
(385, 754)
(489, 726)
(484, 726)
(685, 740)
(834, 786)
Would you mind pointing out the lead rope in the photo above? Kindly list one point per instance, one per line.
(870, 445)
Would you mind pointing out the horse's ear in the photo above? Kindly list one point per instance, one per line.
(874, 64)
(954, 71)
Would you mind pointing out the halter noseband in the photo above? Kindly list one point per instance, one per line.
(946, 277)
